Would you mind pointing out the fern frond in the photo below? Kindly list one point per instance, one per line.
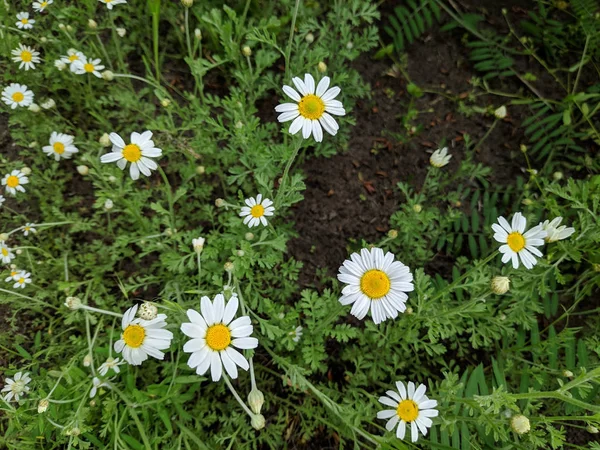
(411, 20)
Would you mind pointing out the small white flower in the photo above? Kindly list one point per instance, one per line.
(375, 282)
(14, 182)
(24, 22)
(6, 254)
(17, 95)
(110, 363)
(257, 211)
(312, 112)
(411, 406)
(26, 56)
(40, 6)
(518, 244)
(108, 204)
(297, 334)
(555, 231)
(72, 56)
(22, 279)
(14, 273)
(138, 152)
(61, 146)
(214, 333)
(121, 32)
(141, 338)
(97, 384)
(16, 387)
(440, 157)
(83, 65)
(29, 228)
(198, 244)
(110, 3)
(48, 104)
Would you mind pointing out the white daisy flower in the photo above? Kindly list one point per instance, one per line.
(110, 363)
(297, 334)
(141, 338)
(97, 384)
(256, 211)
(6, 254)
(2, 200)
(517, 243)
(556, 232)
(14, 181)
(411, 406)
(61, 146)
(376, 282)
(24, 22)
(440, 157)
(13, 274)
(29, 228)
(313, 109)
(17, 95)
(72, 56)
(40, 6)
(27, 56)
(214, 335)
(198, 244)
(22, 279)
(138, 152)
(83, 65)
(16, 387)
(110, 3)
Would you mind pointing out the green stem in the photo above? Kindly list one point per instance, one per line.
(169, 197)
(286, 172)
(237, 397)
(288, 50)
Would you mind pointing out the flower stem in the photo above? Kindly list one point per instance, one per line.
(288, 50)
(236, 395)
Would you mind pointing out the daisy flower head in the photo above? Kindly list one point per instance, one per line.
(256, 211)
(23, 21)
(313, 108)
(84, 65)
(17, 386)
(6, 254)
(61, 146)
(110, 363)
(296, 334)
(411, 406)
(29, 228)
(97, 384)
(138, 152)
(22, 279)
(214, 333)
(17, 95)
(14, 181)
(110, 3)
(141, 338)
(27, 56)
(518, 244)
(72, 56)
(14, 272)
(555, 231)
(40, 6)
(375, 282)
(440, 157)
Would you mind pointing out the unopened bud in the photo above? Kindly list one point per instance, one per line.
(409, 310)
(249, 236)
(121, 32)
(165, 102)
(61, 26)
(73, 432)
(198, 33)
(92, 24)
(349, 45)
(43, 39)
(523, 148)
(200, 170)
(239, 124)
(187, 3)
(112, 179)
(527, 202)
(108, 75)
(219, 202)
(4, 237)
(43, 406)
(255, 400)
(240, 253)
(417, 208)
(309, 38)
(87, 360)
(34, 108)
(147, 311)
(104, 140)
(228, 266)
(73, 303)
(198, 244)
(500, 113)
(567, 374)
(258, 422)
(26, 171)
(392, 234)
(322, 67)
(592, 429)
(500, 285)
(520, 424)
(83, 170)
(48, 104)
(108, 204)
(557, 176)
(60, 65)
(247, 51)
(69, 28)
(33, 144)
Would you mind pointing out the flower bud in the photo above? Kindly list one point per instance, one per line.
(567, 374)
(258, 422)
(239, 124)
(392, 234)
(255, 400)
(500, 285)
(500, 113)
(557, 176)
(33, 144)
(73, 432)
(83, 170)
(198, 33)
(349, 45)
(34, 108)
(104, 140)
(147, 311)
(200, 170)
(592, 429)
(219, 202)
(69, 28)
(249, 236)
(60, 65)
(48, 104)
(408, 310)
(527, 202)
(26, 171)
(523, 148)
(520, 424)
(247, 51)
(3, 237)
(108, 75)
(43, 406)
(417, 208)
(108, 204)
(87, 360)
(165, 102)
(198, 244)
(112, 179)
(61, 26)
(187, 3)
(228, 266)
(43, 39)
(309, 38)
(73, 303)
(121, 32)
(240, 253)
(322, 67)
(92, 24)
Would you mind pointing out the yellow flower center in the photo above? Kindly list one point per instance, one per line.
(24, 21)
(21, 280)
(311, 107)
(375, 284)
(88, 67)
(73, 58)
(134, 335)
(516, 241)
(26, 56)
(12, 181)
(407, 410)
(18, 97)
(13, 273)
(44, 4)
(132, 153)
(4, 251)
(218, 337)
(257, 211)
(59, 148)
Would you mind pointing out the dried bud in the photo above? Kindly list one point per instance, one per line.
(258, 422)
(147, 311)
(104, 140)
(255, 400)
(500, 285)
(83, 170)
(520, 424)
(43, 406)
(73, 303)
(247, 51)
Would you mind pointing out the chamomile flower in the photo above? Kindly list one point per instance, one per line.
(312, 112)
(24, 22)
(17, 95)
(6, 254)
(61, 146)
(375, 282)
(14, 182)
(257, 211)
(22, 279)
(72, 56)
(84, 65)
(138, 152)
(440, 157)
(27, 56)
(29, 228)
(296, 334)
(517, 243)
(97, 384)
(555, 231)
(16, 387)
(214, 333)
(411, 406)
(141, 338)
(110, 3)
(13, 274)
(110, 363)
(40, 6)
